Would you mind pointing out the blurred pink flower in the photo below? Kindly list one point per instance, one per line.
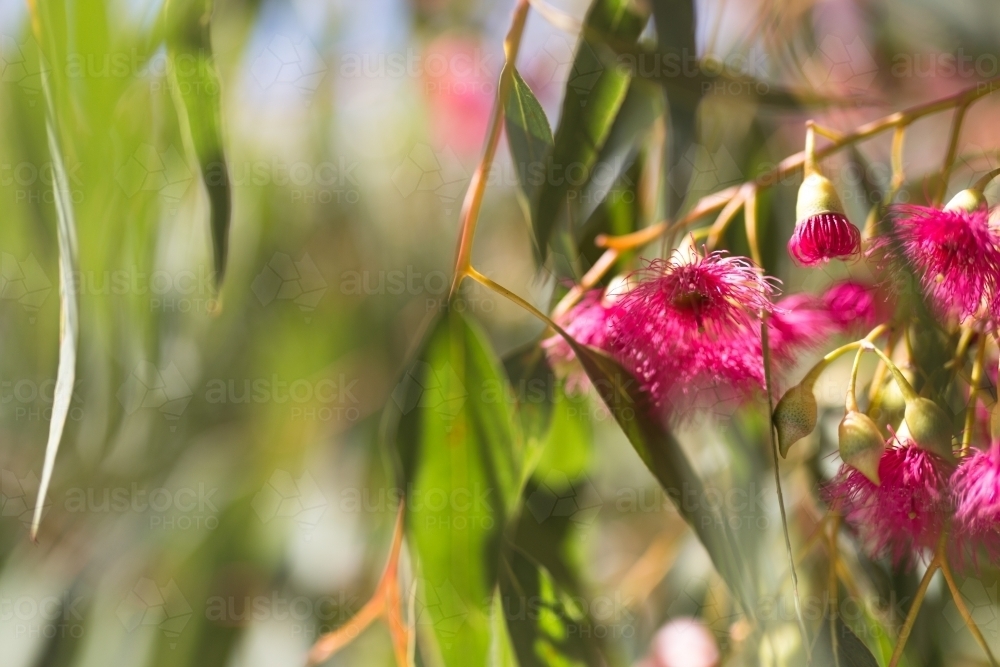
(798, 322)
(904, 515)
(853, 306)
(822, 237)
(587, 323)
(691, 323)
(460, 92)
(683, 642)
(953, 253)
(976, 492)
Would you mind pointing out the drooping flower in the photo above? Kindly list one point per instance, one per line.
(953, 253)
(902, 517)
(853, 306)
(822, 230)
(690, 324)
(820, 238)
(976, 493)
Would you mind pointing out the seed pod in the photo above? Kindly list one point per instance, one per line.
(861, 444)
(795, 416)
(966, 200)
(929, 426)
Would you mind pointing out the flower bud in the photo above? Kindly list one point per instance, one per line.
(967, 200)
(795, 416)
(861, 444)
(822, 231)
(929, 426)
(816, 197)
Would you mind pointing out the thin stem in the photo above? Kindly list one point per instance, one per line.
(949, 158)
(809, 165)
(477, 186)
(977, 377)
(911, 616)
(832, 355)
(852, 399)
(591, 278)
(725, 217)
(750, 221)
(832, 579)
(879, 376)
(898, 172)
(766, 352)
(793, 163)
(503, 291)
(985, 180)
(963, 610)
(909, 393)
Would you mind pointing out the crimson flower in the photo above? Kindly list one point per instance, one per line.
(903, 516)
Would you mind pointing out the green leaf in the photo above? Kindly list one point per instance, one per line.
(547, 626)
(196, 91)
(69, 308)
(458, 439)
(595, 91)
(675, 39)
(665, 458)
(842, 649)
(528, 135)
(642, 105)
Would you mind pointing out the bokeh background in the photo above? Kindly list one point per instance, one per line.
(222, 496)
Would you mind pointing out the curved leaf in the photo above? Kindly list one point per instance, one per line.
(665, 458)
(196, 92)
(595, 91)
(528, 135)
(457, 436)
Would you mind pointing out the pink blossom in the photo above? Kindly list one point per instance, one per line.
(853, 306)
(798, 322)
(688, 329)
(587, 323)
(952, 252)
(976, 492)
(904, 515)
(684, 642)
(459, 92)
(822, 237)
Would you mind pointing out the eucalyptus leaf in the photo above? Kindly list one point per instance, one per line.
(462, 477)
(528, 134)
(665, 458)
(596, 88)
(197, 94)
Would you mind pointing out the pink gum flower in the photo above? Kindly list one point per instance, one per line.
(903, 516)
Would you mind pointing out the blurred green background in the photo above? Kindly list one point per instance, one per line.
(221, 496)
